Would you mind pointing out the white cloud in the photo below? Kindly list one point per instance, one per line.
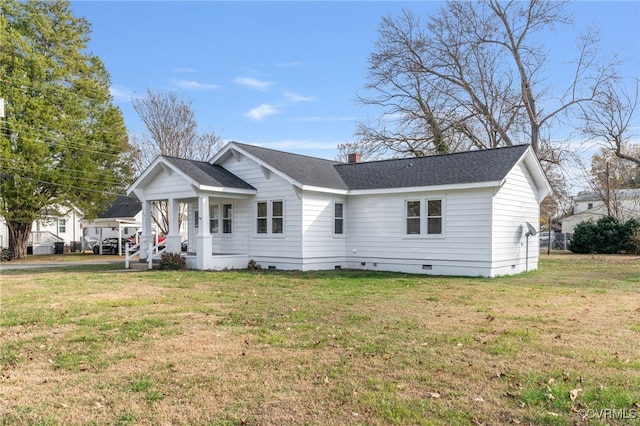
(261, 112)
(295, 97)
(254, 83)
(190, 84)
(121, 94)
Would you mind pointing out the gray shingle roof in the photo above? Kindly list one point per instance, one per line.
(459, 168)
(304, 169)
(122, 207)
(208, 174)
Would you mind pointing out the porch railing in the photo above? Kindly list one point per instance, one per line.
(41, 238)
(131, 251)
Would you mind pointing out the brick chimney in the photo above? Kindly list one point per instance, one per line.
(354, 158)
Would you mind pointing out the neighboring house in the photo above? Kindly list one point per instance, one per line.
(122, 219)
(56, 225)
(455, 214)
(589, 207)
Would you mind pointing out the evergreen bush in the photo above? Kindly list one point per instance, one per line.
(607, 236)
(172, 262)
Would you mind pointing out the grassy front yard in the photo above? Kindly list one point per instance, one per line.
(558, 346)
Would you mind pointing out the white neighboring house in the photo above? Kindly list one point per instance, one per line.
(57, 225)
(589, 207)
(455, 214)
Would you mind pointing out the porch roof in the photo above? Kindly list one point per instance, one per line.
(207, 174)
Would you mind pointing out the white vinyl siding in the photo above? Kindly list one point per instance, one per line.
(513, 205)
(286, 251)
(164, 184)
(322, 248)
(378, 225)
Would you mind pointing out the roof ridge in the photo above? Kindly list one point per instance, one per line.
(286, 152)
(183, 159)
(435, 155)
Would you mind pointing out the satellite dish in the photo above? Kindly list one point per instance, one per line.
(532, 230)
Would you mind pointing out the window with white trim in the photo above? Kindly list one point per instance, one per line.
(62, 226)
(214, 219)
(261, 217)
(227, 218)
(338, 218)
(413, 217)
(270, 217)
(424, 217)
(434, 217)
(277, 217)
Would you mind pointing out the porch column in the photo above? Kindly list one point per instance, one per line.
(204, 245)
(147, 233)
(172, 241)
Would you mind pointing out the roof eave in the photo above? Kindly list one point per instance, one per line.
(226, 190)
(429, 188)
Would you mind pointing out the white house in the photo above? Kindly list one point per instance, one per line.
(56, 225)
(589, 207)
(455, 214)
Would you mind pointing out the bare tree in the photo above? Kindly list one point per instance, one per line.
(608, 119)
(473, 76)
(172, 131)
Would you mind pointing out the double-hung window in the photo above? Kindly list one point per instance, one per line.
(424, 217)
(262, 220)
(338, 218)
(413, 217)
(227, 218)
(214, 218)
(277, 216)
(270, 217)
(434, 217)
(62, 226)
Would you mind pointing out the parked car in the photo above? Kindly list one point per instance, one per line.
(134, 239)
(110, 246)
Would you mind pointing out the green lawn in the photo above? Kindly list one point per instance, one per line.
(88, 345)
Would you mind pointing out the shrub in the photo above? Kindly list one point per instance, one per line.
(172, 262)
(607, 236)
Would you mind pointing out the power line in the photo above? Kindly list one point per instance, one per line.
(68, 142)
(74, 177)
(69, 186)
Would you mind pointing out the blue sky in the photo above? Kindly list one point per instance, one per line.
(283, 75)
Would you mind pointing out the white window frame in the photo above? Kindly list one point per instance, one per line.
(269, 218)
(341, 218)
(427, 217)
(265, 217)
(413, 218)
(214, 216)
(424, 218)
(226, 219)
(62, 226)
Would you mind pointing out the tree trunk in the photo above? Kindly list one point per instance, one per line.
(18, 238)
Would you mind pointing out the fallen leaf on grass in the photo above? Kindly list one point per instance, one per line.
(573, 393)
